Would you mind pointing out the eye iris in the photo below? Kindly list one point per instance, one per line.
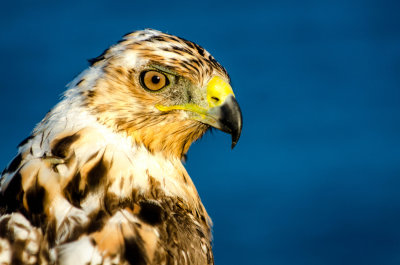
(153, 80)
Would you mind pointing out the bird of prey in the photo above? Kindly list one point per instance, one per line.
(100, 180)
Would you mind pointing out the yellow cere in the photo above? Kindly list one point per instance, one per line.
(217, 91)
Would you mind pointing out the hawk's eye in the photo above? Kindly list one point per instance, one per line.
(153, 80)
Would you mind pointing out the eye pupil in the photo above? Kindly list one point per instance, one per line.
(155, 79)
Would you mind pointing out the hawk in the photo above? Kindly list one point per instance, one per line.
(100, 180)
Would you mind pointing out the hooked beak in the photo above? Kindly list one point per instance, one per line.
(227, 118)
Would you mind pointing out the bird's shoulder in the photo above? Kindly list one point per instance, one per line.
(89, 190)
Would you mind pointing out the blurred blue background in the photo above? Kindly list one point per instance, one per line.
(315, 177)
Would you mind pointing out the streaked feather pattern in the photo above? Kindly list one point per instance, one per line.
(100, 180)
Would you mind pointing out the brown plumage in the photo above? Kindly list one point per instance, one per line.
(100, 180)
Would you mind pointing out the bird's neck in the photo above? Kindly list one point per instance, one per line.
(129, 168)
(172, 140)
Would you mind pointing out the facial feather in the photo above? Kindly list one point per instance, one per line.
(119, 101)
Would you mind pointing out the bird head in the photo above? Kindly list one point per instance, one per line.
(163, 91)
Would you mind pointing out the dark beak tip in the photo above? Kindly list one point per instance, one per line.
(236, 136)
(233, 144)
(236, 122)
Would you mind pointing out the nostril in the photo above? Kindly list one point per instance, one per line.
(215, 99)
